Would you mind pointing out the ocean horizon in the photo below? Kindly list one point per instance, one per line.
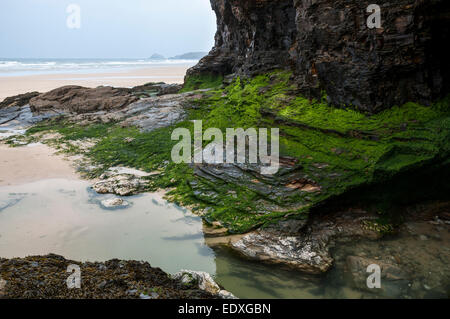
(10, 67)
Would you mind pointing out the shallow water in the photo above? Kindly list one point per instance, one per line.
(251, 279)
(65, 217)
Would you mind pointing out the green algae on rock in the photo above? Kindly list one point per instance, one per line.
(204, 81)
(325, 151)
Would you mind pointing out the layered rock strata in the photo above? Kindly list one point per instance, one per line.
(330, 48)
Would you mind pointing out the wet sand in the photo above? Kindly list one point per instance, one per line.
(13, 85)
(32, 163)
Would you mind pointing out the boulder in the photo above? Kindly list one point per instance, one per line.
(305, 245)
(297, 252)
(115, 203)
(122, 185)
(77, 99)
(202, 281)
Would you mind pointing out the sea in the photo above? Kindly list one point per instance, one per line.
(25, 67)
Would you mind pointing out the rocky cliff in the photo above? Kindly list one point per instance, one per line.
(329, 47)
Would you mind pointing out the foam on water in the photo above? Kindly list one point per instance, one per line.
(22, 67)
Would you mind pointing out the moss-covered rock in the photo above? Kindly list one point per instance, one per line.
(204, 81)
(326, 151)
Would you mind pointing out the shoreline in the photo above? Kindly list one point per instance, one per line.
(306, 245)
(15, 170)
(14, 85)
(20, 165)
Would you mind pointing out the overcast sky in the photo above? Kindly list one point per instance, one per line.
(109, 28)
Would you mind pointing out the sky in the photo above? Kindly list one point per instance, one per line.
(107, 28)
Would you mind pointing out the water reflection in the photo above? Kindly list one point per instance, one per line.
(249, 279)
(65, 217)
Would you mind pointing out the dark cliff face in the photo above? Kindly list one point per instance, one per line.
(329, 47)
(252, 37)
(373, 68)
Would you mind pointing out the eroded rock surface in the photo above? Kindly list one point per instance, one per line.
(122, 184)
(413, 260)
(22, 116)
(304, 245)
(278, 192)
(147, 113)
(158, 89)
(77, 99)
(45, 277)
(115, 203)
(18, 100)
(80, 100)
(158, 107)
(152, 113)
(252, 36)
(203, 281)
(330, 48)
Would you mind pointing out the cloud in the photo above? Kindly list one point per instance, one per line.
(109, 28)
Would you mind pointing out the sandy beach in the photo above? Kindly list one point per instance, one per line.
(13, 85)
(29, 164)
(32, 163)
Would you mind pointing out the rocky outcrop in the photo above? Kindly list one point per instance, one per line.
(81, 100)
(252, 36)
(329, 47)
(373, 69)
(305, 245)
(122, 185)
(148, 107)
(152, 89)
(147, 114)
(77, 99)
(276, 190)
(122, 182)
(22, 117)
(18, 100)
(155, 112)
(203, 281)
(45, 277)
(114, 203)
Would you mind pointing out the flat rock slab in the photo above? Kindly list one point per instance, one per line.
(304, 245)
